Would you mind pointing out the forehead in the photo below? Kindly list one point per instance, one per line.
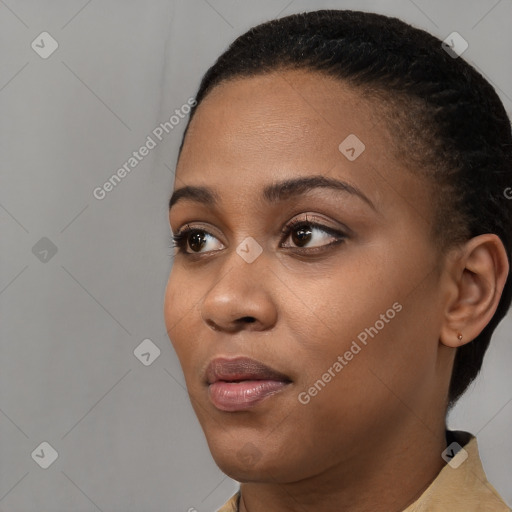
(279, 125)
(288, 112)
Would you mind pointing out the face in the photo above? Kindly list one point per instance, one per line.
(330, 284)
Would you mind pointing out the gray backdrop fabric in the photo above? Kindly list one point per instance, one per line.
(94, 414)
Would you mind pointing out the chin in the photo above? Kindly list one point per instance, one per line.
(248, 464)
(246, 472)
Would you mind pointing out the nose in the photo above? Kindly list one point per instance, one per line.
(242, 298)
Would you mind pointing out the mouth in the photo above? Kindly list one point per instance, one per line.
(241, 383)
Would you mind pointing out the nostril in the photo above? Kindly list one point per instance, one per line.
(213, 325)
(248, 319)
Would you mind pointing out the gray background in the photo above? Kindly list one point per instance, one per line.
(125, 433)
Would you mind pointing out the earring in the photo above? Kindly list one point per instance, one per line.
(459, 336)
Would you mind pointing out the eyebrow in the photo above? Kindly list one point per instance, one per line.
(273, 193)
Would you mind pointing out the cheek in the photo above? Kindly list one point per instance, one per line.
(373, 316)
(328, 311)
(178, 311)
(170, 304)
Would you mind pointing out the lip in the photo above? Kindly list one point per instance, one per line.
(241, 383)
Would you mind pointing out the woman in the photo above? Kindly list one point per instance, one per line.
(344, 240)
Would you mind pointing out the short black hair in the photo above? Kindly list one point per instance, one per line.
(447, 120)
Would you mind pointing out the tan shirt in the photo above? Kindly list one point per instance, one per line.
(455, 489)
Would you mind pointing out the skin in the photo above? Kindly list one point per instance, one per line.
(372, 438)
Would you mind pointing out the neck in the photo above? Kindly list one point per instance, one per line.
(389, 473)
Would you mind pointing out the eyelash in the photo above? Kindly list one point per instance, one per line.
(180, 239)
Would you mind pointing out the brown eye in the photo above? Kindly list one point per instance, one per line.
(196, 240)
(304, 234)
(301, 235)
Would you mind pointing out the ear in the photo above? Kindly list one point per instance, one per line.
(477, 276)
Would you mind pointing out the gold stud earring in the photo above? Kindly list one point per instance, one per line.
(459, 336)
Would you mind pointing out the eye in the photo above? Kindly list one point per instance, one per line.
(303, 233)
(194, 238)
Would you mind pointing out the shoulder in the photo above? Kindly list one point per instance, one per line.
(232, 504)
(462, 485)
